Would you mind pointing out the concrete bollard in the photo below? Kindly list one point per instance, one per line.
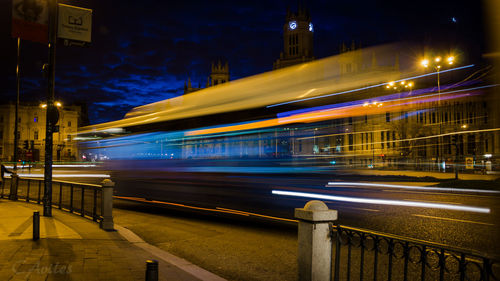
(107, 205)
(14, 184)
(36, 225)
(151, 270)
(315, 245)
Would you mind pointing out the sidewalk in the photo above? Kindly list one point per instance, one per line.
(75, 248)
(437, 175)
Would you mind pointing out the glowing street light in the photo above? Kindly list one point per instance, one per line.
(437, 66)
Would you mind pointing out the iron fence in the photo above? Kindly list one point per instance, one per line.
(81, 198)
(365, 255)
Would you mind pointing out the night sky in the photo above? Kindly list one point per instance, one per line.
(144, 51)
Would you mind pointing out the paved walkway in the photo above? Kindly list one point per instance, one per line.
(436, 175)
(75, 248)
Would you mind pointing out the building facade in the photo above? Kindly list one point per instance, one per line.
(31, 133)
(298, 31)
(219, 74)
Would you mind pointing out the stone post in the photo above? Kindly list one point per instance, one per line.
(107, 205)
(14, 184)
(315, 245)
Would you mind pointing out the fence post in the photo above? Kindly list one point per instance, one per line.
(107, 205)
(14, 183)
(315, 245)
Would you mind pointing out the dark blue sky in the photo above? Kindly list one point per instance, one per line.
(143, 51)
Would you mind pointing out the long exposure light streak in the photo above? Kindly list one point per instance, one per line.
(369, 87)
(331, 184)
(324, 114)
(382, 201)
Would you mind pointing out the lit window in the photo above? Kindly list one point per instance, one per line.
(35, 119)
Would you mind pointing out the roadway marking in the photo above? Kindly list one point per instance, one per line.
(450, 219)
(431, 201)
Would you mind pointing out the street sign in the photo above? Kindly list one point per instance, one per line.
(30, 20)
(74, 24)
(469, 163)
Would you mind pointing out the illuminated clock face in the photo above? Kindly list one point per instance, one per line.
(311, 27)
(292, 25)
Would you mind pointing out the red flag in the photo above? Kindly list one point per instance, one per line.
(30, 19)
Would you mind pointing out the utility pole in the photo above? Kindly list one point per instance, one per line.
(52, 113)
(18, 85)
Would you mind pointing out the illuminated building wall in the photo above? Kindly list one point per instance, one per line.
(31, 128)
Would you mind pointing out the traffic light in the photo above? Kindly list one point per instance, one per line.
(25, 145)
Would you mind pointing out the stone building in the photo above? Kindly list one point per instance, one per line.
(31, 133)
(219, 74)
(298, 31)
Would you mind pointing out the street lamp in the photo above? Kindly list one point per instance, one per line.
(437, 64)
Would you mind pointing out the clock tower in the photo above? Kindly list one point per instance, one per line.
(298, 33)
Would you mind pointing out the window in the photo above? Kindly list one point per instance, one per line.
(388, 137)
(350, 121)
(382, 139)
(69, 123)
(35, 119)
(351, 141)
(1, 135)
(387, 117)
(433, 118)
(69, 137)
(36, 135)
(471, 144)
(366, 137)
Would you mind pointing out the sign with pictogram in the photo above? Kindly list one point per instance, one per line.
(74, 23)
(469, 163)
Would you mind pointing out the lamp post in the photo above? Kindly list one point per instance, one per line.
(437, 64)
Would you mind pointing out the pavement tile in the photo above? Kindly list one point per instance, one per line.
(76, 250)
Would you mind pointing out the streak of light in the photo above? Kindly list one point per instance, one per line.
(368, 87)
(411, 187)
(74, 166)
(450, 219)
(324, 114)
(66, 175)
(382, 201)
(386, 99)
(217, 209)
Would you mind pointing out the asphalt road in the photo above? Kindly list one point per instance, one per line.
(219, 225)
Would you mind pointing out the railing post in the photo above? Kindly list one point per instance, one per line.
(314, 237)
(14, 184)
(107, 205)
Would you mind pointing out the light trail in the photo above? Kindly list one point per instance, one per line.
(66, 175)
(382, 201)
(369, 87)
(411, 187)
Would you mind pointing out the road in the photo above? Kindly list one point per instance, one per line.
(243, 245)
(458, 217)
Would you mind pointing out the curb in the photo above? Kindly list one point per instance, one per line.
(182, 264)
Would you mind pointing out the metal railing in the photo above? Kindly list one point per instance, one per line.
(81, 198)
(365, 255)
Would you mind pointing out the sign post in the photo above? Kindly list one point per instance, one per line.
(51, 121)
